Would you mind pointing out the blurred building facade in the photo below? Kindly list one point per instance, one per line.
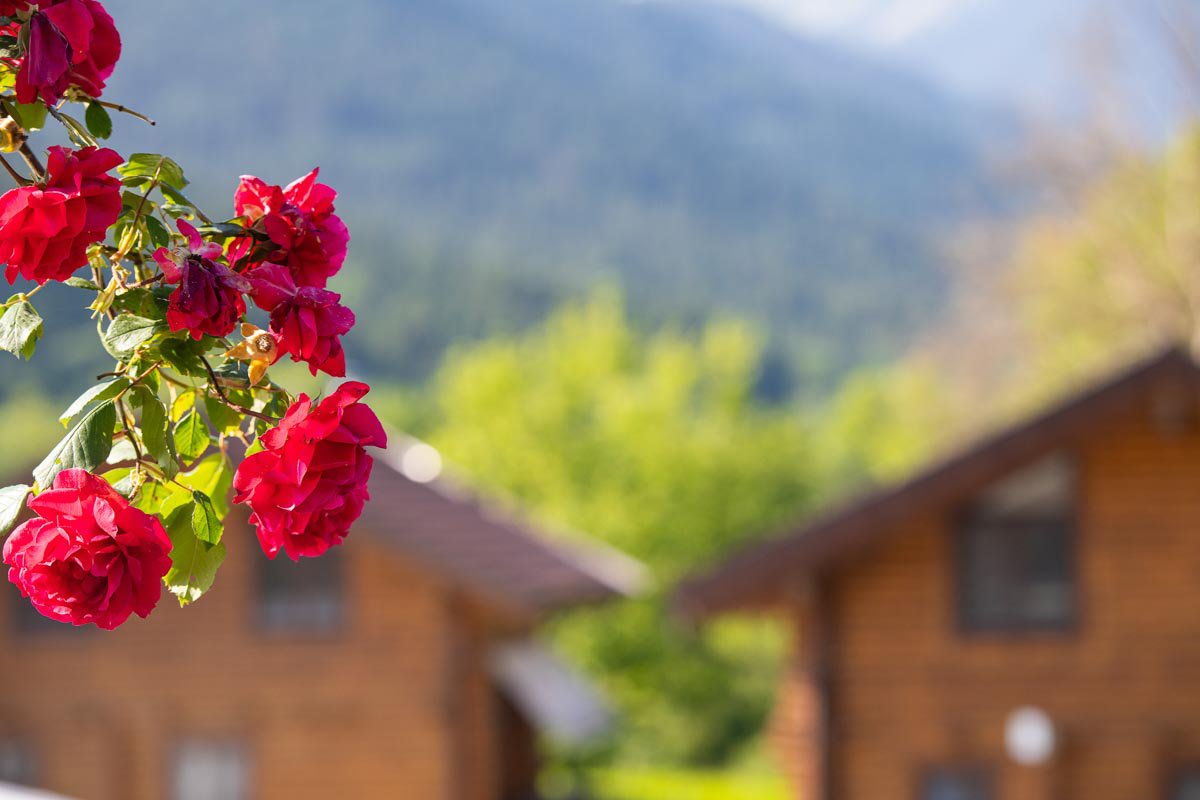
(1018, 622)
(399, 665)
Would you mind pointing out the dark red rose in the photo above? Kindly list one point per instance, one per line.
(9, 8)
(88, 557)
(45, 230)
(303, 232)
(71, 43)
(209, 298)
(309, 484)
(307, 322)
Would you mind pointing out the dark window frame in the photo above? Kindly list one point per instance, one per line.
(967, 523)
(270, 600)
(982, 775)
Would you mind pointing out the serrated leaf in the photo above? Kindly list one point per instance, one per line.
(84, 447)
(82, 283)
(20, 328)
(148, 165)
(129, 332)
(194, 563)
(191, 436)
(98, 120)
(205, 523)
(12, 501)
(101, 391)
(183, 355)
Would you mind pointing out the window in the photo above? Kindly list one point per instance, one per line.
(16, 763)
(301, 596)
(1016, 566)
(210, 771)
(956, 784)
(1187, 785)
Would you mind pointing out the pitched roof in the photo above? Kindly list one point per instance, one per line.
(485, 549)
(755, 575)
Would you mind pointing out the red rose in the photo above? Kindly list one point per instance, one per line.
(9, 8)
(303, 232)
(71, 43)
(307, 322)
(209, 297)
(89, 556)
(309, 484)
(45, 230)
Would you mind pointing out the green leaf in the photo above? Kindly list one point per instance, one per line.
(155, 433)
(82, 283)
(129, 332)
(20, 328)
(31, 116)
(101, 391)
(159, 235)
(98, 121)
(76, 130)
(12, 501)
(84, 447)
(183, 355)
(147, 165)
(214, 477)
(191, 436)
(194, 563)
(205, 523)
(184, 403)
(223, 418)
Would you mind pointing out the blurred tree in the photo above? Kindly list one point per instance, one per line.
(653, 444)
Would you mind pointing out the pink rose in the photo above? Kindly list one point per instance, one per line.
(71, 43)
(309, 484)
(89, 557)
(301, 229)
(307, 322)
(45, 230)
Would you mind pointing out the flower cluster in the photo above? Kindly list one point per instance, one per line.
(123, 504)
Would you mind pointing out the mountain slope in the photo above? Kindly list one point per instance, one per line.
(496, 155)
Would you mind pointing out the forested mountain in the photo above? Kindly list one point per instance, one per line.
(495, 156)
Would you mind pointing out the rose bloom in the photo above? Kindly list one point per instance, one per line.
(9, 8)
(209, 298)
(89, 557)
(71, 43)
(303, 232)
(45, 230)
(307, 322)
(309, 484)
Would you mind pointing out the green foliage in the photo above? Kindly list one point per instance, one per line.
(105, 390)
(635, 784)
(84, 447)
(654, 444)
(194, 562)
(12, 502)
(20, 328)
